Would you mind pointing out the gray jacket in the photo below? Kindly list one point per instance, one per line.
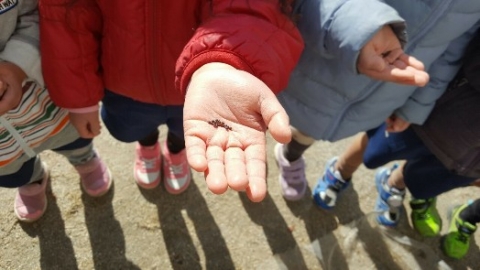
(327, 99)
(19, 36)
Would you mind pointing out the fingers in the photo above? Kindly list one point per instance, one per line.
(236, 169)
(229, 164)
(411, 61)
(276, 118)
(392, 66)
(409, 70)
(399, 72)
(94, 129)
(257, 172)
(399, 127)
(396, 124)
(392, 55)
(87, 130)
(215, 176)
(245, 170)
(196, 153)
(85, 133)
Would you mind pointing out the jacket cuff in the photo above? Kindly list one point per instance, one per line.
(84, 110)
(414, 112)
(206, 57)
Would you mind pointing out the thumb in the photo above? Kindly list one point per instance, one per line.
(275, 118)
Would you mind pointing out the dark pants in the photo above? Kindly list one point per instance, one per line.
(425, 176)
(23, 175)
(472, 212)
(129, 120)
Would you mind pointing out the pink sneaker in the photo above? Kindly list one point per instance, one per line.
(176, 170)
(95, 176)
(30, 201)
(147, 166)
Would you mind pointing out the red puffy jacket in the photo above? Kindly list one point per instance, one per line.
(148, 49)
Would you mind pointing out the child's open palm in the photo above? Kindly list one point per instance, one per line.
(382, 58)
(226, 114)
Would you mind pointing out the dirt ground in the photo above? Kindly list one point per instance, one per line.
(130, 228)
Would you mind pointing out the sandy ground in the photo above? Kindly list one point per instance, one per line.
(130, 228)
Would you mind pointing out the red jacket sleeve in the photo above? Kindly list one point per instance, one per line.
(70, 49)
(254, 36)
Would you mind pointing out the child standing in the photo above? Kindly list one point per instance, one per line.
(327, 101)
(30, 123)
(140, 57)
(442, 154)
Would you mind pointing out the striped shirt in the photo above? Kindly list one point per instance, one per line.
(31, 123)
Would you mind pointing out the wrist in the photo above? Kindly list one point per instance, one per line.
(212, 66)
(83, 110)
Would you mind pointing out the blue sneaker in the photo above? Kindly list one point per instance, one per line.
(390, 200)
(329, 186)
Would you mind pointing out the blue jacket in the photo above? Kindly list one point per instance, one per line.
(326, 97)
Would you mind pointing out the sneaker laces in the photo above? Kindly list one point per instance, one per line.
(148, 163)
(462, 237)
(176, 169)
(335, 184)
(423, 215)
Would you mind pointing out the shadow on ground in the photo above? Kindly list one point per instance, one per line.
(178, 241)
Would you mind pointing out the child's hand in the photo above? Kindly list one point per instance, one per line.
(382, 58)
(87, 124)
(11, 78)
(226, 114)
(396, 124)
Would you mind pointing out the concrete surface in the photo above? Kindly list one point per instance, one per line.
(130, 228)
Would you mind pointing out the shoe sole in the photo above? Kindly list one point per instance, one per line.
(152, 185)
(30, 220)
(177, 191)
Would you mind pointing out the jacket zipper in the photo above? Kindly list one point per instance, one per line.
(20, 140)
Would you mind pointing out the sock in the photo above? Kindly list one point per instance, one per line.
(471, 213)
(294, 150)
(175, 144)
